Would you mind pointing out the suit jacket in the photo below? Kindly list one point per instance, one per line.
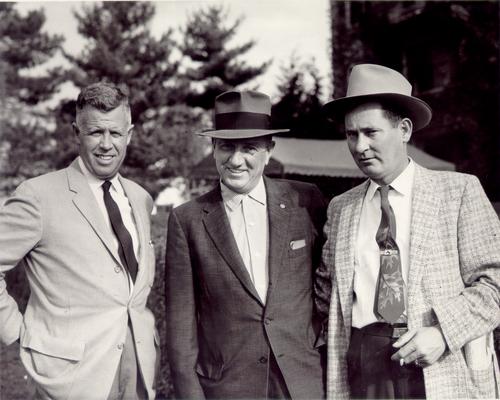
(453, 280)
(219, 334)
(75, 323)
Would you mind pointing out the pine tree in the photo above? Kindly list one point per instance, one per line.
(214, 66)
(25, 136)
(299, 105)
(121, 49)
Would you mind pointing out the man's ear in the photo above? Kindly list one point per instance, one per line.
(406, 127)
(76, 131)
(129, 133)
(270, 148)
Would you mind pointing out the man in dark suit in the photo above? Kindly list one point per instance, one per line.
(239, 267)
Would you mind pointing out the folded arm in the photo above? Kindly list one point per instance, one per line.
(20, 231)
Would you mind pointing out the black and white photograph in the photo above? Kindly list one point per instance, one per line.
(267, 199)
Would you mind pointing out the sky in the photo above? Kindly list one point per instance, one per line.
(281, 28)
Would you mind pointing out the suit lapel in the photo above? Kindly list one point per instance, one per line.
(217, 226)
(425, 207)
(85, 202)
(278, 209)
(345, 248)
(137, 207)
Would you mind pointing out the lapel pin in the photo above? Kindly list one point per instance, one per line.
(282, 205)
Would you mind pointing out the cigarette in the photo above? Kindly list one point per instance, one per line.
(401, 362)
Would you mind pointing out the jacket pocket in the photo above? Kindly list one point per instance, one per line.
(482, 383)
(211, 371)
(52, 357)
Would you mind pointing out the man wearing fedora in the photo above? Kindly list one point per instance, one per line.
(409, 271)
(239, 271)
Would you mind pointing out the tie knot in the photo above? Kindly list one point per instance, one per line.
(384, 191)
(106, 185)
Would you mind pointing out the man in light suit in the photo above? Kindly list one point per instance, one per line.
(239, 269)
(84, 235)
(410, 269)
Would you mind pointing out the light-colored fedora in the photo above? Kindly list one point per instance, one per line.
(370, 82)
(241, 115)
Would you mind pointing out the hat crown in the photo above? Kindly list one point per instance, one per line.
(369, 79)
(245, 101)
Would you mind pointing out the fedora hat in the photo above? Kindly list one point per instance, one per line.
(241, 115)
(370, 82)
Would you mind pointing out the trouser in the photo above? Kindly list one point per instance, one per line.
(371, 372)
(128, 383)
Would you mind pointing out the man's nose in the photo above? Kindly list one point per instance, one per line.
(105, 141)
(236, 158)
(361, 144)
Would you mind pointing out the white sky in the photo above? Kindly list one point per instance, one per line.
(280, 27)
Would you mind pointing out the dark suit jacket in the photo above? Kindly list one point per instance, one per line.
(219, 333)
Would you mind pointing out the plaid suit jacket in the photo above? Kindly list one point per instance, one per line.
(453, 279)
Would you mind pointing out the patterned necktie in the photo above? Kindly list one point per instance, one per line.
(389, 300)
(125, 244)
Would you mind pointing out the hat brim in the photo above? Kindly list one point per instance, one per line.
(240, 133)
(418, 110)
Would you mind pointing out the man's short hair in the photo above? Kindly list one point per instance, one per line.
(104, 96)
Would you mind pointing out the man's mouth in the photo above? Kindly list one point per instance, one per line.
(235, 171)
(104, 156)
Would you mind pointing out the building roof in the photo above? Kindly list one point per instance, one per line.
(312, 157)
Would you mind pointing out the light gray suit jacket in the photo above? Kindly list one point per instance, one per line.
(72, 332)
(454, 280)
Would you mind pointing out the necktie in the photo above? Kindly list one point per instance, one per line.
(389, 300)
(125, 244)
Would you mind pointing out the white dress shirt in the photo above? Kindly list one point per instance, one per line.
(118, 194)
(249, 223)
(367, 256)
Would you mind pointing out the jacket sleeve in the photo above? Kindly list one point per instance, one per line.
(182, 340)
(20, 231)
(323, 274)
(476, 310)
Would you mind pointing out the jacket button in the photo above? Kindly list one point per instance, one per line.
(119, 346)
(263, 360)
(117, 269)
(267, 321)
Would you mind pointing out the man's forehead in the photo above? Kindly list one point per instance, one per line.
(90, 113)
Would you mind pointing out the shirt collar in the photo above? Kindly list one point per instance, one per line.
(95, 182)
(402, 184)
(232, 199)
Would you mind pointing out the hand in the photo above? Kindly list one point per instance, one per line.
(423, 346)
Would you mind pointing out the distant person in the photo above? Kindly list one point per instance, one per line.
(410, 270)
(239, 269)
(84, 235)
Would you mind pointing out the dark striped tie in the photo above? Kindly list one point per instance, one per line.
(125, 244)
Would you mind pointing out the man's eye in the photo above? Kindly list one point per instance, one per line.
(116, 135)
(95, 134)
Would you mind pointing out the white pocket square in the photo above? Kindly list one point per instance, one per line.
(297, 244)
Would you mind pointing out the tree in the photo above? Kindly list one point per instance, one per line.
(25, 137)
(121, 49)
(214, 66)
(299, 105)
